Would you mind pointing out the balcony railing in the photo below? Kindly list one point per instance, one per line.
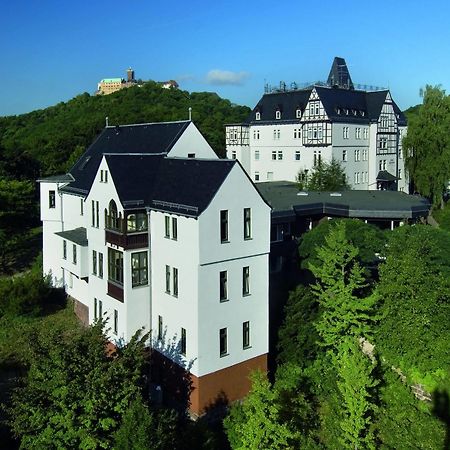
(115, 291)
(116, 233)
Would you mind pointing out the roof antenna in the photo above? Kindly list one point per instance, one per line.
(107, 120)
(190, 113)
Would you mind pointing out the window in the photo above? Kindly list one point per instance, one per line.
(137, 222)
(278, 115)
(95, 309)
(257, 134)
(191, 155)
(258, 116)
(175, 282)
(247, 223)
(223, 341)
(400, 174)
(317, 109)
(74, 253)
(100, 265)
(139, 270)
(357, 155)
(81, 207)
(65, 249)
(280, 155)
(298, 113)
(160, 327)
(357, 133)
(314, 133)
(100, 309)
(116, 321)
(319, 133)
(311, 109)
(223, 285)
(113, 215)
(297, 155)
(97, 214)
(94, 262)
(115, 265)
(183, 342)
(345, 132)
(256, 155)
(174, 228)
(384, 164)
(93, 213)
(233, 154)
(364, 154)
(274, 155)
(344, 155)
(246, 335)
(246, 280)
(106, 176)
(167, 226)
(256, 176)
(224, 226)
(365, 133)
(168, 279)
(51, 199)
(101, 176)
(278, 134)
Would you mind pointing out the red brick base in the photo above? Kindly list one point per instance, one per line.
(203, 393)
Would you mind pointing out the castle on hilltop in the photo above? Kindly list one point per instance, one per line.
(109, 85)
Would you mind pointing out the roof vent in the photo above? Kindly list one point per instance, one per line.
(302, 193)
(335, 194)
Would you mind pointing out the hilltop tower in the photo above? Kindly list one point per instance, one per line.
(130, 75)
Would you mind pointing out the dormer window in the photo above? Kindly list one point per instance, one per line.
(258, 116)
(338, 111)
(363, 113)
(278, 114)
(346, 111)
(298, 113)
(354, 112)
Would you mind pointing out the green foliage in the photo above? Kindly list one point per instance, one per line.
(76, 394)
(340, 290)
(27, 293)
(427, 145)
(323, 177)
(404, 422)
(442, 216)
(256, 423)
(355, 385)
(369, 240)
(297, 337)
(53, 136)
(142, 429)
(415, 288)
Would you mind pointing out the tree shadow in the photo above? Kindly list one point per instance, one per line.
(170, 374)
(441, 409)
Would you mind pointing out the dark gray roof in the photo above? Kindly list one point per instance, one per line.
(286, 201)
(181, 185)
(339, 75)
(384, 175)
(341, 105)
(65, 178)
(77, 236)
(151, 138)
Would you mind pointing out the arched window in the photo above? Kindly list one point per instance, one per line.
(113, 216)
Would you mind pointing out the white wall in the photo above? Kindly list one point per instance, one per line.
(192, 141)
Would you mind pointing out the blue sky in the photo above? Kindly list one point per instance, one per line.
(52, 50)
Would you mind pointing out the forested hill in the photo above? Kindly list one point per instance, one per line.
(48, 141)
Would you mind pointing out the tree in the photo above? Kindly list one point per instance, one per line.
(76, 393)
(256, 423)
(323, 177)
(368, 238)
(355, 385)
(427, 146)
(142, 429)
(346, 308)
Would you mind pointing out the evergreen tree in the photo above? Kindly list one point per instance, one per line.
(340, 289)
(355, 383)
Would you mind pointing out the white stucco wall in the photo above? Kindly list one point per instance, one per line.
(192, 141)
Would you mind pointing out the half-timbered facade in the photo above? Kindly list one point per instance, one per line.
(291, 131)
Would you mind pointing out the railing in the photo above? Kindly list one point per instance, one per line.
(116, 233)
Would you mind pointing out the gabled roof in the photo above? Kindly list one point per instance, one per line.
(339, 75)
(180, 185)
(384, 175)
(65, 178)
(286, 102)
(150, 138)
(77, 236)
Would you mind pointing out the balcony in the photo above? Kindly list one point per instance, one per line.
(115, 291)
(118, 232)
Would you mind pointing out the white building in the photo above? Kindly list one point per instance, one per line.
(291, 130)
(147, 231)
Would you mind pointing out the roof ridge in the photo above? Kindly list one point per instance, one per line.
(147, 123)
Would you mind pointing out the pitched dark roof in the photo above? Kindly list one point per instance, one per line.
(181, 185)
(287, 203)
(384, 175)
(77, 235)
(286, 102)
(151, 138)
(339, 75)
